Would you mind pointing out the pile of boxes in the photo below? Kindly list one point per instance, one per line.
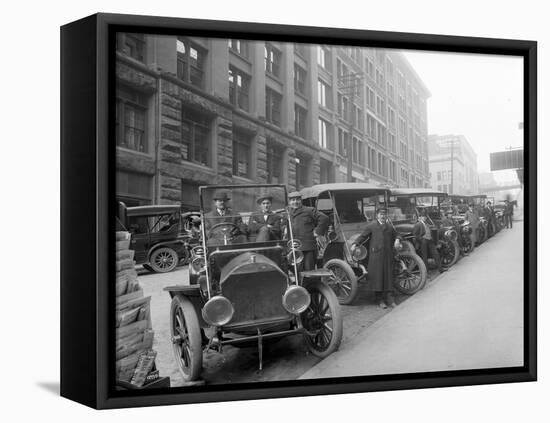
(135, 357)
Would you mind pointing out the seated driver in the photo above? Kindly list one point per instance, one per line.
(221, 214)
(265, 224)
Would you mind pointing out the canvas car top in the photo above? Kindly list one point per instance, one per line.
(315, 190)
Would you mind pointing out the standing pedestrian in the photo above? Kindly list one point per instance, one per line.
(425, 243)
(508, 210)
(472, 217)
(383, 238)
(307, 224)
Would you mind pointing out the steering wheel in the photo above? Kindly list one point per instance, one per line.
(227, 230)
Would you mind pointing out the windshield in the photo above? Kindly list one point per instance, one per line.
(407, 208)
(243, 214)
(352, 206)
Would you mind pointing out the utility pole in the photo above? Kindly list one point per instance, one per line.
(348, 85)
(452, 165)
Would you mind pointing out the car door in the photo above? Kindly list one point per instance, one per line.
(141, 237)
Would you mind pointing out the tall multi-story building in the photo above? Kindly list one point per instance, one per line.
(193, 111)
(453, 164)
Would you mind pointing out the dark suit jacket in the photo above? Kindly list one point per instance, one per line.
(213, 218)
(380, 265)
(257, 221)
(304, 221)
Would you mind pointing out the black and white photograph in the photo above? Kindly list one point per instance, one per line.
(275, 211)
(291, 211)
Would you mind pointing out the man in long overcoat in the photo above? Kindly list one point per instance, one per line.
(381, 257)
(265, 224)
(307, 224)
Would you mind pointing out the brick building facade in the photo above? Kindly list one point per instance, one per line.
(195, 111)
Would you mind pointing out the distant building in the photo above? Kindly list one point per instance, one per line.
(193, 111)
(453, 164)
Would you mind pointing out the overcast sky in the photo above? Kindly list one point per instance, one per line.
(478, 96)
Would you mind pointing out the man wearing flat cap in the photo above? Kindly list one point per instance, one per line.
(380, 266)
(307, 224)
(265, 224)
(221, 213)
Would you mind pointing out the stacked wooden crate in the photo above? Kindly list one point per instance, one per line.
(135, 357)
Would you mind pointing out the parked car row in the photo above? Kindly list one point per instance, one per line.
(245, 288)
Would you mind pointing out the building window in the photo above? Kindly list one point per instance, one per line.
(191, 62)
(195, 136)
(242, 154)
(190, 195)
(371, 127)
(324, 134)
(131, 118)
(300, 116)
(343, 142)
(274, 159)
(273, 106)
(404, 151)
(391, 118)
(300, 75)
(239, 46)
(380, 134)
(134, 189)
(323, 92)
(343, 107)
(389, 91)
(380, 79)
(132, 45)
(302, 171)
(371, 98)
(380, 107)
(272, 61)
(357, 151)
(324, 57)
(357, 117)
(392, 142)
(370, 68)
(239, 88)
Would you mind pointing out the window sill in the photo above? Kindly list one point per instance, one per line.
(129, 150)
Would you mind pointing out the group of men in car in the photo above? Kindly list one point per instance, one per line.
(307, 223)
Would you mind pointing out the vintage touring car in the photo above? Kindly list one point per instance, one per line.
(350, 206)
(406, 206)
(245, 284)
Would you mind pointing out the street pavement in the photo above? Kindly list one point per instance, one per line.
(470, 317)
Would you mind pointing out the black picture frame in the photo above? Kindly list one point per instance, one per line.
(87, 234)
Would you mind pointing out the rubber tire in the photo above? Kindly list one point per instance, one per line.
(423, 275)
(346, 268)
(456, 248)
(317, 290)
(158, 269)
(192, 370)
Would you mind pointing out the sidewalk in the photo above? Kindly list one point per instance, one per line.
(469, 317)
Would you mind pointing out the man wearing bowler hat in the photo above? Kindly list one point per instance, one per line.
(383, 237)
(265, 224)
(221, 213)
(307, 224)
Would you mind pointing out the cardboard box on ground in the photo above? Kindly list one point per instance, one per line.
(135, 357)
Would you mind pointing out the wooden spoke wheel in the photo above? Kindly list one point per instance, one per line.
(322, 321)
(186, 337)
(344, 280)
